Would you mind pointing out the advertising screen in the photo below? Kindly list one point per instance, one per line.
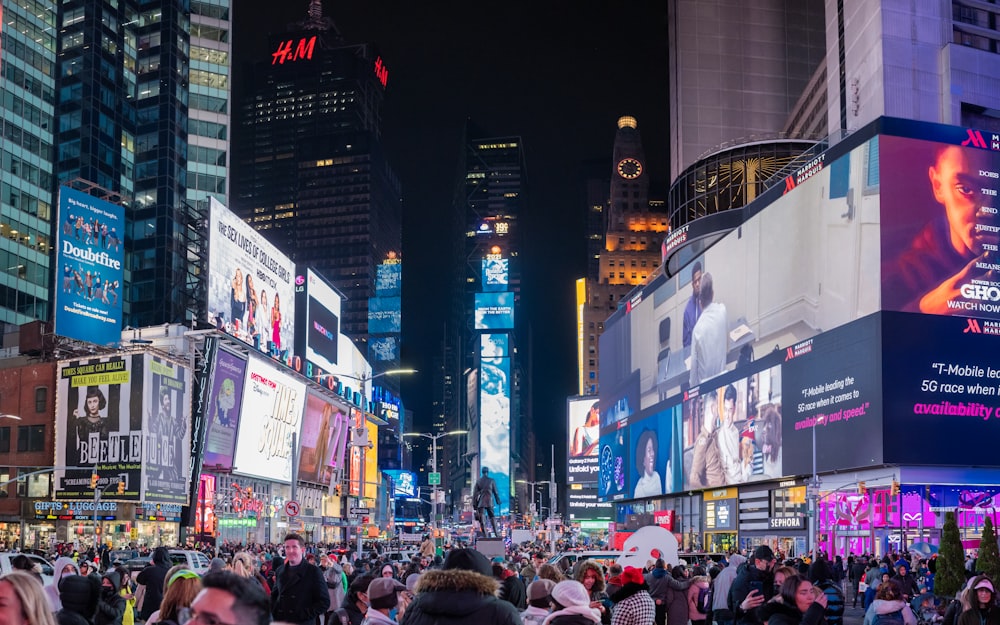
(799, 266)
(384, 315)
(654, 444)
(251, 291)
(372, 477)
(940, 375)
(128, 418)
(271, 413)
(733, 433)
(389, 278)
(383, 348)
(584, 439)
(495, 274)
(941, 228)
(325, 432)
(323, 312)
(90, 258)
(495, 311)
(404, 483)
(614, 460)
(494, 345)
(494, 432)
(225, 399)
(584, 506)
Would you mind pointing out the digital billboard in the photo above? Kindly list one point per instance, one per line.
(799, 266)
(584, 439)
(389, 278)
(325, 433)
(941, 228)
(614, 458)
(225, 399)
(90, 254)
(251, 291)
(494, 345)
(323, 305)
(384, 316)
(270, 415)
(494, 311)
(494, 432)
(383, 348)
(372, 478)
(584, 506)
(128, 419)
(496, 272)
(404, 483)
(654, 444)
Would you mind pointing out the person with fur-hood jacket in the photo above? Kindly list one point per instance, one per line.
(463, 591)
(64, 566)
(591, 576)
(111, 604)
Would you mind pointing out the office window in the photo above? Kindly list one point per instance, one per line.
(30, 437)
(5, 439)
(41, 399)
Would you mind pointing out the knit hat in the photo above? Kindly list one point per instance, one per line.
(411, 581)
(632, 575)
(217, 564)
(468, 560)
(382, 593)
(570, 593)
(540, 589)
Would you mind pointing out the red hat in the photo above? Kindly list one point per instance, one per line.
(632, 575)
(748, 431)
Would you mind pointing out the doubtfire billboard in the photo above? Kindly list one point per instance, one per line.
(127, 419)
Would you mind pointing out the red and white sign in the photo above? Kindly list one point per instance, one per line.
(292, 508)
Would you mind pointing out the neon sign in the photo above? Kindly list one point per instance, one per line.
(381, 71)
(292, 51)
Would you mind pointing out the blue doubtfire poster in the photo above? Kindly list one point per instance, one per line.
(89, 259)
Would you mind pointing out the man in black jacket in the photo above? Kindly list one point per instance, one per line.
(153, 577)
(299, 595)
(754, 585)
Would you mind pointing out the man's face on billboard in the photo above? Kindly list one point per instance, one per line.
(953, 180)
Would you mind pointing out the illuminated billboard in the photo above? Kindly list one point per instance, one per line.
(494, 425)
(496, 274)
(583, 504)
(251, 294)
(404, 483)
(584, 439)
(389, 278)
(318, 307)
(383, 348)
(223, 410)
(494, 345)
(324, 437)
(90, 258)
(372, 478)
(494, 311)
(270, 416)
(384, 315)
(126, 418)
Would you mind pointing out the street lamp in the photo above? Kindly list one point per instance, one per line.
(812, 492)
(434, 461)
(533, 485)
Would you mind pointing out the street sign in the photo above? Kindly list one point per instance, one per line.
(292, 508)
(434, 479)
(360, 511)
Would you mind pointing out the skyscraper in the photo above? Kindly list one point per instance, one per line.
(312, 174)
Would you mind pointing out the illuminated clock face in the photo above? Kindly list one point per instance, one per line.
(629, 168)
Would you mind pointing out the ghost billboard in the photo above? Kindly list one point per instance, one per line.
(251, 294)
(90, 259)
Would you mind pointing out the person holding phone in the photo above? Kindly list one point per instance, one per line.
(801, 604)
(752, 587)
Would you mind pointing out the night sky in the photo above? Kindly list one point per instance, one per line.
(559, 75)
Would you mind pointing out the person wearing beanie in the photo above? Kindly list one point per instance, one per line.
(110, 603)
(383, 601)
(462, 591)
(217, 564)
(633, 605)
(539, 602)
(983, 609)
(571, 605)
(78, 595)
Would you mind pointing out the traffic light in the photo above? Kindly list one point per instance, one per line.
(894, 489)
(121, 488)
(93, 480)
(861, 488)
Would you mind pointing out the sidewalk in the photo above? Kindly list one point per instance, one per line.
(853, 616)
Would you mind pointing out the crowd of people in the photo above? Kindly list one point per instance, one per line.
(302, 584)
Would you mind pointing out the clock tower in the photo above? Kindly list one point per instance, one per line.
(629, 181)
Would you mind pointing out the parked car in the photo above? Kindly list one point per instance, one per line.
(47, 569)
(195, 560)
(137, 564)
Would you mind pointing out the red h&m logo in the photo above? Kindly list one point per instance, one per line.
(972, 325)
(975, 139)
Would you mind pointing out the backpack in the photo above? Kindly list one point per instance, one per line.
(704, 602)
(892, 618)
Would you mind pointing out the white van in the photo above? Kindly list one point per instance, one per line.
(47, 569)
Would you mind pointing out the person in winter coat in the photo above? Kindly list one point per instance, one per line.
(822, 577)
(571, 605)
(153, 578)
(183, 585)
(355, 606)
(539, 602)
(78, 596)
(511, 587)
(721, 614)
(110, 604)
(633, 604)
(299, 595)
(661, 583)
(590, 575)
(983, 600)
(754, 585)
(461, 592)
(906, 580)
(698, 584)
(63, 566)
(889, 599)
(801, 604)
(677, 598)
